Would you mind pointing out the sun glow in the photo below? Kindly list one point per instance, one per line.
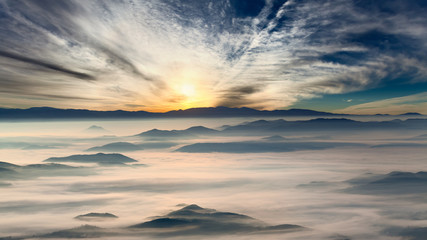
(188, 86)
(188, 90)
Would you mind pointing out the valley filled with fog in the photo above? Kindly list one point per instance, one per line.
(215, 178)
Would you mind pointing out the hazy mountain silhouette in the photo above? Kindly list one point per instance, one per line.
(116, 147)
(191, 220)
(258, 146)
(100, 158)
(55, 113)
(30, 146)
(96, 129)
(10, 171)
(195, 220)
(189, 132)
(392, 183)
(274, 138)
(410, 233)
(400, 145)
(129, 147)
(263, 127)
(96, 217)
(84, 231)
(323, 124)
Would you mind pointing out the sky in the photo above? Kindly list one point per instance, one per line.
(157, 55)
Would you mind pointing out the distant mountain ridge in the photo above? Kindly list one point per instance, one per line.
(57, 113)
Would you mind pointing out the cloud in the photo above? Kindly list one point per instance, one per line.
(46, 65)
(399, 105)
(263, 54)
(39, 206)
(155, 186)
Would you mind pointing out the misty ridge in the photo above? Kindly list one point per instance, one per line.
(11, 171)
(55, 113)
(96, 217)
(208, 112)
(191, 220)
(262, 127)
(100, 158)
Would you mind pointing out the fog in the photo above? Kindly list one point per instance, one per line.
(328, 182)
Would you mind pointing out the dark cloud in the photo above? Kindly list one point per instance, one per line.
(121, 61)
(239, 96)
(46, 65)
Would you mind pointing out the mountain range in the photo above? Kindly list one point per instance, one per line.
(56, 113)
(208, 112)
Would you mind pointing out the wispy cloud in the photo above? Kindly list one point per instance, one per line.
(399, 105)
(141, 52)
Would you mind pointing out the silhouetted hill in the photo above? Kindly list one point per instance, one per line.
(242, 112)
(96, 217)
(96, 129)
(195, 220)
(129, 147)
(274, 138)
(192, 131)
(101, 158)
(323, 124)
(55, 113)
(259, 147)
(116, 147)
(192, 221)
(411, 114)
(9, 171)
(392, 183)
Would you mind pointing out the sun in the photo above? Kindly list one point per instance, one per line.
(188, 90)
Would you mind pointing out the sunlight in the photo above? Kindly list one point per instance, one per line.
(188, 90)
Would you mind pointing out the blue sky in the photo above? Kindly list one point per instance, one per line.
(160, 55)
